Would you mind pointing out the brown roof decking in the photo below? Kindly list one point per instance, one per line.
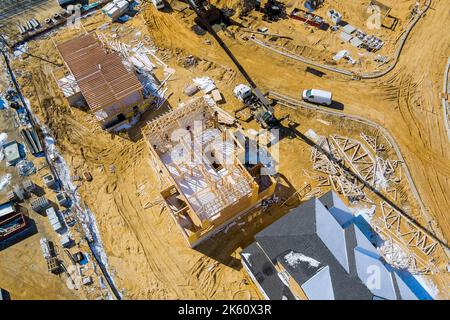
(101, 75)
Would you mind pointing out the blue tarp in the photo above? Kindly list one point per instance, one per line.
(308, 6)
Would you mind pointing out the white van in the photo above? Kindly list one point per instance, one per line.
(318, 96)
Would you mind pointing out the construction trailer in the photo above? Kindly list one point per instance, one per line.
(209, 181)
(309, 18)
(12, 220)
(112, 92)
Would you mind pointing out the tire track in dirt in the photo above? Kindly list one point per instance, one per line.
(205, 271)
(135, 226)
(202, 277)
(167, 270)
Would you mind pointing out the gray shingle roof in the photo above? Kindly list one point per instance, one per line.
(328, 258)
(265, 273)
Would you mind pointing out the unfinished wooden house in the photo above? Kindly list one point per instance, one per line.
(113, 93)
(209, 184)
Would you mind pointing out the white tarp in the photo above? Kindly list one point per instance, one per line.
(205, 83)
(4, 181)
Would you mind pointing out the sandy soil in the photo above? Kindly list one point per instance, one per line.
(321, 46)
(147, 254)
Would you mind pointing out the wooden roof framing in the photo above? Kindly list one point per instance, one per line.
(103, 79)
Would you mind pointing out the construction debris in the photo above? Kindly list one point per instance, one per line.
(50, 255)
(189, 61)
(25, 167)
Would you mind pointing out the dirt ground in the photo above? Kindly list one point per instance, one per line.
(320, 46)
(147, 255)
(24, 272)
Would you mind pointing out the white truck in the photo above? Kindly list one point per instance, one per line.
(159, 4)
(242, 92)
(318, 96)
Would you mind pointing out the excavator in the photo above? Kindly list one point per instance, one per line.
(260, 107)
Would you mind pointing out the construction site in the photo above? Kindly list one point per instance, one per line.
(142, 123)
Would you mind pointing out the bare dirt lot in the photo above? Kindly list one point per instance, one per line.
(148, 256)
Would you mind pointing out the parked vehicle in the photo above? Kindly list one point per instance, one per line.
(159, 4)
(318, 96)
(242, 92)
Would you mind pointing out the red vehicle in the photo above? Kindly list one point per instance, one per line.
(309, 18)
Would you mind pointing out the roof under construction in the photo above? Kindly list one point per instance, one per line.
(103, 79)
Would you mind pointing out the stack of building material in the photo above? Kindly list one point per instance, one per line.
(87, 281)
(334, 16)
(66, 240)
(205, 83)
(25, 167)
(62, 199)
(32, 140)
(360, 39)
(54, 219)
(11, 151)
(140, 58)
(19, 193)
(12, 220)
(49, 180)
(115, 9)
(345, 37)
(30, 25)
(29, 186)
(69, 218)
(190, 90)
(45, 247)
(217, 96)
(40, 204)
(49, 254)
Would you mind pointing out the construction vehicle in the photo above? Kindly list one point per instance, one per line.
(159, 4)
(258, 104)
(262, 114)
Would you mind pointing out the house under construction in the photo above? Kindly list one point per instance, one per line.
(113, 93)
(210, 180)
